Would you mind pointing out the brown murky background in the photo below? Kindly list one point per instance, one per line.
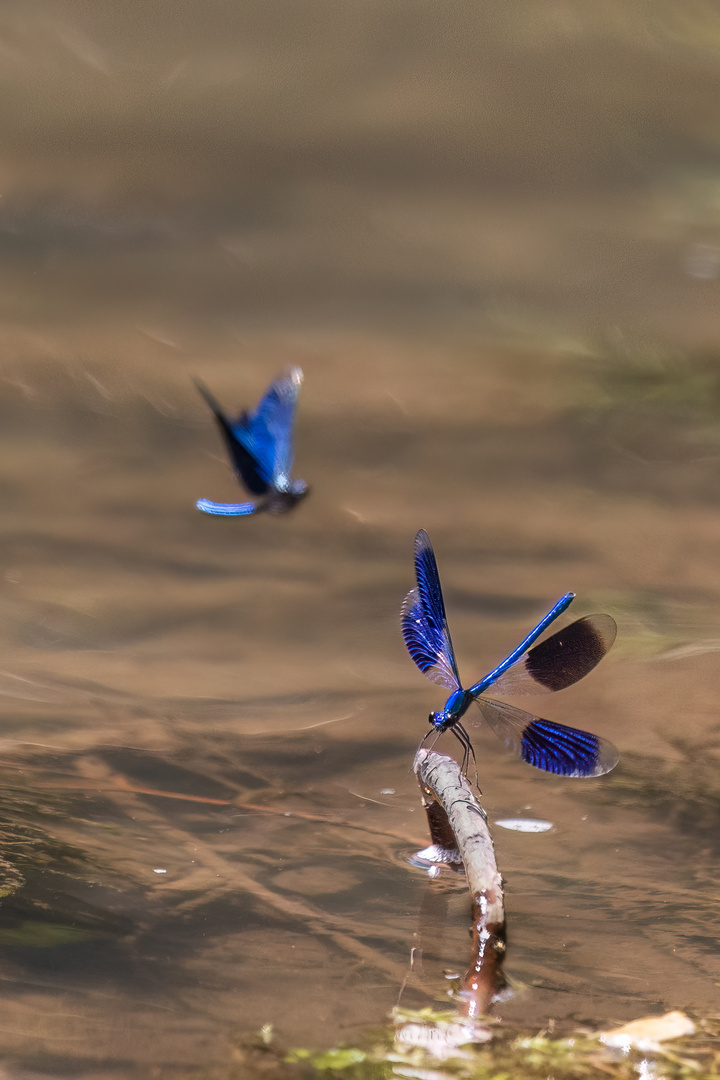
(490, 235)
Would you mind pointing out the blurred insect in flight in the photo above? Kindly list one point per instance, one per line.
(557, 662)
(260, 447)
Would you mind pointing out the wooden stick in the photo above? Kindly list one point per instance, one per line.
(459, 832)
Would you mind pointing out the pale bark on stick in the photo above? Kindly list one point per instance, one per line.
(454, 811)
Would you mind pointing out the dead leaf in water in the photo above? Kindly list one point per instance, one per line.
(649, 1031)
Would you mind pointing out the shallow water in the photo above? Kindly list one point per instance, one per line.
(489, 239)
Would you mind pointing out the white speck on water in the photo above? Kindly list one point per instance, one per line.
(530, 825)
(159, 871)
(388, 791)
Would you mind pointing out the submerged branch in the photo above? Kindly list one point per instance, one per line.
(344, 933)
(460, 834)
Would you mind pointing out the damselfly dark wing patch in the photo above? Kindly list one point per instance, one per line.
(561, 659)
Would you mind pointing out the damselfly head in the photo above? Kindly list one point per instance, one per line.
(438, 720)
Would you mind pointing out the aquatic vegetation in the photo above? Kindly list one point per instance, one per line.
(511, 1054)
(637, 374)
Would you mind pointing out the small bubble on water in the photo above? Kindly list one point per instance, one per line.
(527, 825)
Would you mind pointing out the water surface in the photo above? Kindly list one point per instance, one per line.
(490, 240)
